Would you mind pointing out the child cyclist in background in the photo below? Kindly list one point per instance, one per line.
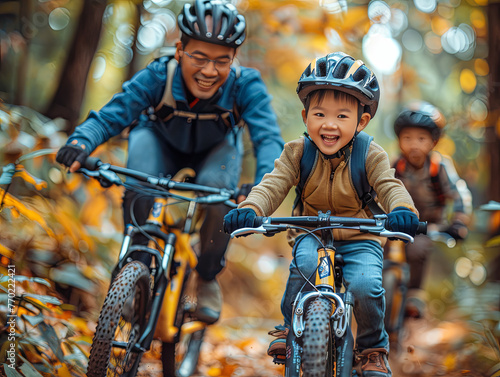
(441, 197)
(340, 96)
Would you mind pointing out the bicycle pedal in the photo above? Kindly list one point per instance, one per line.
(279, 359)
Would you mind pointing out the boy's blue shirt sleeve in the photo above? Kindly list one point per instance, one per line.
(143, 90)
(256, 110)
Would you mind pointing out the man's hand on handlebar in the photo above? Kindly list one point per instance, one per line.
(72, 155)
(239, 218)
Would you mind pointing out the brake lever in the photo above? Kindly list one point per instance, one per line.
(399, 235)
(244, 231)
(265, 229)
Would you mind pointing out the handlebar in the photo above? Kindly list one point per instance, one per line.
(95, 168)
(273, 225)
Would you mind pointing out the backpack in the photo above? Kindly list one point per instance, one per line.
(167, 108)
(357, 169)
(434, 168)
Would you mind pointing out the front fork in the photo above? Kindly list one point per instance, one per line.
(328, 282)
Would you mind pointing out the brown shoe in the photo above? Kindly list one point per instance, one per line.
(278, 346)
(372, 362)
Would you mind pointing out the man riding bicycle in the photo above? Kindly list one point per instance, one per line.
(186, 111)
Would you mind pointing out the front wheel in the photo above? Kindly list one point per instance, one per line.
(121, 322)
(316, 354)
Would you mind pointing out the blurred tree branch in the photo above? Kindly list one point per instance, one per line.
(68, 98)
(493, 130)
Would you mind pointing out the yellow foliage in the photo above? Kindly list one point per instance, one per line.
(4, 250)
(63, 371)
(11, 201)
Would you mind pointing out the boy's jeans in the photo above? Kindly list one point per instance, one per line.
(363, 274)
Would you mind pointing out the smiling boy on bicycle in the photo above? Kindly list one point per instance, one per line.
(340, 96)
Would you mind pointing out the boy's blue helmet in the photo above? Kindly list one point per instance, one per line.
(341, 72)
(423, 115)
(227, 25)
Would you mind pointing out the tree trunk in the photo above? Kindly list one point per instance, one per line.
(68, 99)
(493, 130)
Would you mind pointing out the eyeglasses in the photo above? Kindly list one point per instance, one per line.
(220, 64)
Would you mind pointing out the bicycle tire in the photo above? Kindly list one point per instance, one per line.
(316, 339)
(125, 308)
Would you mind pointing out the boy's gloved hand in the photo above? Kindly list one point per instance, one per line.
(401, 219)
(457, 230)
(239, 218)
(72, 155)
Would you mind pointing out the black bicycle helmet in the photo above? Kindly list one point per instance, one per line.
(341, 72)
(421, 114)
(227, 26)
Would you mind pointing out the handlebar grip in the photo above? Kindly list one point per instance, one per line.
(92, 163)
(258, 221)
(422, 227)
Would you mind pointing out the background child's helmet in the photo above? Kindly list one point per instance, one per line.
(228, 26)
(421, 114)
(341, 72)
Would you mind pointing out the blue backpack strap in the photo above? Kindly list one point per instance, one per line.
(307, 162)
(358, 172)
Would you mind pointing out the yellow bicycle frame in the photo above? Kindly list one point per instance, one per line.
(185, 258)
(324, 273)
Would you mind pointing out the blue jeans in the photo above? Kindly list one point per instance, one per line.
(219, 167)
(363, 275)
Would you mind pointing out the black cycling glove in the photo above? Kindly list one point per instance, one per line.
(401, 219)
(239, 218)
(70, 153)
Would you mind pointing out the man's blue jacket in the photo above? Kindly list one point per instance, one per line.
(184, 135)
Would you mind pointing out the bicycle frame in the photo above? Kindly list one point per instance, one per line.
(170, 271)
(328, 283)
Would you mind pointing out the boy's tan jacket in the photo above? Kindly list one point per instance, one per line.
(329, 187)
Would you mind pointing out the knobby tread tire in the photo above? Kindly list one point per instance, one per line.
(316, 337)
(133, 279)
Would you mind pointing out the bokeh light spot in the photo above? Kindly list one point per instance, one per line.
(426, 6)
(398, 21)
(412, 40)
(478, 274)
(59, 18)
(478, 110)
(433, 42)
(55, 175)
(481, 67)
(477, 19)
(381, 50)
(463, 267)
(440, 25)
(333, 6)
(99, 68)
(468, 81)
(446, 11)
(379, 12)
